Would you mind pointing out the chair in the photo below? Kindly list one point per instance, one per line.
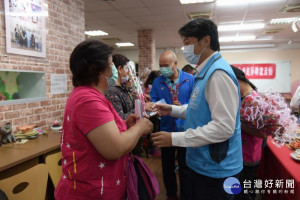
(53, 161)
(30, 184)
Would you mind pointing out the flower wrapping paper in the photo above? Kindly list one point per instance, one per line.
(136, 86)
(270, 115)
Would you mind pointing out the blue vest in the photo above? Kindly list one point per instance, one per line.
(218, 160)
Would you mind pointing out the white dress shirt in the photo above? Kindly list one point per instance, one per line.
(222, 97)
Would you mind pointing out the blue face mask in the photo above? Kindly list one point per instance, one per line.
(188, 53)
(166, 71)
(114, 76)
(111, 80)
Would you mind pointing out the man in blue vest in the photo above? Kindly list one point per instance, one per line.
(175, 86)
(212, 130)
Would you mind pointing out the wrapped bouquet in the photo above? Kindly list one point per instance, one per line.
(136, 87)
(270, 115)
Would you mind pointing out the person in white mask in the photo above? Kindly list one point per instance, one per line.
(212, 130)
(118, 94)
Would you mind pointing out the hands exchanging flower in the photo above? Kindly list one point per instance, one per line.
(162, 138)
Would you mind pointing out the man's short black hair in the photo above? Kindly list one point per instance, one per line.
(200, 28)
(87, 60)
(153, 75)
(120, 60)
(188, 68)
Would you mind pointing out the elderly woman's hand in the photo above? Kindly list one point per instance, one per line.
(145, 125)
(131, 120)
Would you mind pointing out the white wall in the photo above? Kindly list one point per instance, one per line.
(134, 56)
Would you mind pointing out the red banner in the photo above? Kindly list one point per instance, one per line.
(258, 71)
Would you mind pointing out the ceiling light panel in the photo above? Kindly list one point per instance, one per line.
(237, 38)
(95, 33)
(124, 44)
(239, 2)
(195, 1)
(264, 37)
(247, 46)
(240, 27)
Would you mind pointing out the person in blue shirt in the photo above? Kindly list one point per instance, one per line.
(212, 132)
(175, 86)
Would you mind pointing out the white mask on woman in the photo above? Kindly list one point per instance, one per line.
(125, 79)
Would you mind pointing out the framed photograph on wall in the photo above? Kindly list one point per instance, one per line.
(25, 27)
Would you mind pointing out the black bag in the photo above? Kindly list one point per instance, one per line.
(3, 195)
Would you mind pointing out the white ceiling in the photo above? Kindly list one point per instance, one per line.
(123, 18)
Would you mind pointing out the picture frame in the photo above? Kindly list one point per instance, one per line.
(25, 27)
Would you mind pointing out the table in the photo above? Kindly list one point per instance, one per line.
(14, 154)
(277, 164)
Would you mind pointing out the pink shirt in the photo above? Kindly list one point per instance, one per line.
(251, 145)
(86, 174)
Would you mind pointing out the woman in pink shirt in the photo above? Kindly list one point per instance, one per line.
(251, 139)
(95, 141)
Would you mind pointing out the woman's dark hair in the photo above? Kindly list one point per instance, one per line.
(120, 60)
(241, 76)
(87, 60)
(153, 75)
(200, 28)
(188, 68)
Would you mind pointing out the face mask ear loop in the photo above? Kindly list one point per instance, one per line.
(197, 44)
(202, 51)
(104, 76)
